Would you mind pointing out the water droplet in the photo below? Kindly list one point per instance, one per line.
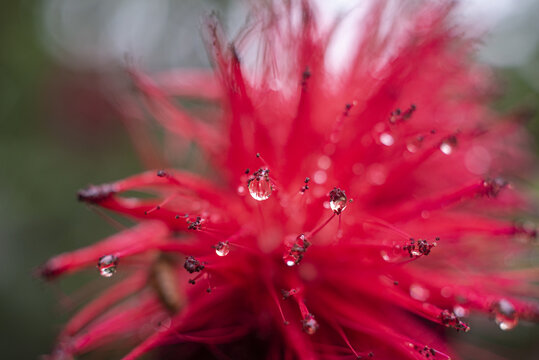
(320, 177)
(324, 162)
(505, 315)
(289, 260)
(107, 265)
(446, 148)
(260, 186)
(337, 200)
(411, 147)
(222, 248)
(310, 325)
(376, 174)
(358, 169)
(241, 190)
(461, 311)
(385, 255)
(387, 139)
(296, 249)
(418, 292)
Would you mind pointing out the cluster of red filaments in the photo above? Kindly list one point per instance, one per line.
(350, 276)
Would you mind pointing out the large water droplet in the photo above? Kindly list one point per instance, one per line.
(337, 200)
(222, 248)
(107, 265)
(505, 315)
(310, 325)
(260, 186)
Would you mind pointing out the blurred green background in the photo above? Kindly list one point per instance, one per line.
(59, 133)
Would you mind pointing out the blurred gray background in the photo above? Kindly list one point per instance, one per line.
(59, 133)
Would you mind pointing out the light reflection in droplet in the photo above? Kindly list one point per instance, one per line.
(446, 148)
(386, 139)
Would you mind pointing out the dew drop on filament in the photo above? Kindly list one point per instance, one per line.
(107, 265)
(337, 200)
(259, 185)
(289, 260)
(505, 315)
(222, 248)
(310, 325)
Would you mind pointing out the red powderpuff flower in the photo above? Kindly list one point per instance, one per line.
(351, 212)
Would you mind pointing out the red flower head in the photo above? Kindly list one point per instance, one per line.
(350, 212)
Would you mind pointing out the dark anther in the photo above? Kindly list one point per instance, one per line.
(208, 290)
(259, 175)
(306, 74)
(307, 180)
(257, 155)
(194, 225)
(96, 193)
(192, 265)
(247, 171)
(395, 283)
(191, 281)
(287, 293)
(492, 187)
(161, 173)
(398, 116)
(145, 213)
(449, 319)
(177, 217)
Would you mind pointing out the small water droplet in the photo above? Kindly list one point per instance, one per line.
(385, 255)
(320, 177)
(461, 311)
(337, 200)
(241, 190)
(107, 265)
(418, 292)
(289, 260)
(324, 162)
(386, 139)
(222, 248)
(411, 147)
(310, 325)
(296, 249)
(505, 315)
(260, 186)
(446, 148)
